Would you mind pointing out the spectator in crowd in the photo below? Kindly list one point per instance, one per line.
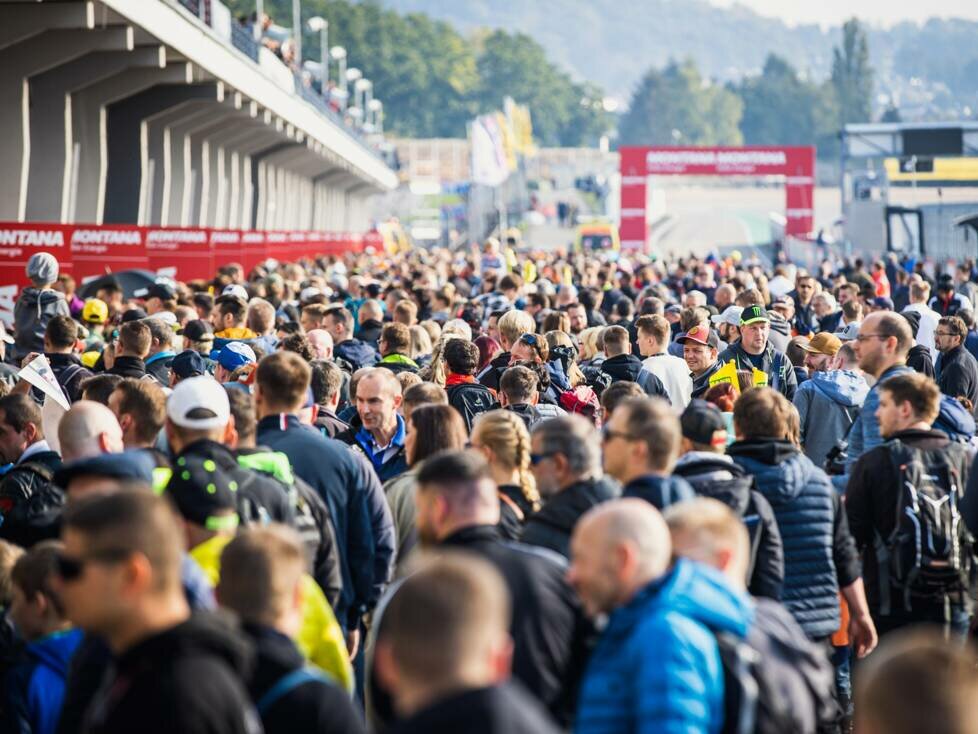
(565, 457)
(754, 352)
(99, 387)
(458, 508)
(229, 318)
(339, 323)
(395, 344)
(623, 366)
(326, 382)
(262, 583)
(713, 474)
(60, 347)
(89, 429)
(425, 393)
(503, 439)
(380, 436)
(829, 403)
(160, 297)
(957, 370)
(658, 653)
(641, 445)
(37, 305)
(370, 322)
(445, 653)
(919, 357)
(30, 504)
(512, 325)
(876, 504)
(119, 578)
(653, 339)
(231, 358)
(126, 357)
(919, 297)
(700, 351)
(161, 352)
(34, 684)
(186, 364)
(820, 558)
(947, 302)
(469, 397)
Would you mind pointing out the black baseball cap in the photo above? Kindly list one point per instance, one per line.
(198, 330)
(204, 493)
(134, 314)
(163, 291)
(701, 421)
(753, 315)
(188, 364)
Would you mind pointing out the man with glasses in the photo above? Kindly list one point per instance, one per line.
(957, 370)
(641, 445)
(119, 578)
(565, 457)
(881, 348)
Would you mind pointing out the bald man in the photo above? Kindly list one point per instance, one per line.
(707, 531)
(321, 342)
(657, 665)
(87, 430)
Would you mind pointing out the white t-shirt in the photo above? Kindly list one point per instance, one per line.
(928, 325)
(674, 373)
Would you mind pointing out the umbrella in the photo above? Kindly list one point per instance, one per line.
(129, 280)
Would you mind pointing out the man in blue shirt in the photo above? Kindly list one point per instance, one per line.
(381, 436)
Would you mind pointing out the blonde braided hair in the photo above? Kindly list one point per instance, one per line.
(505, 433)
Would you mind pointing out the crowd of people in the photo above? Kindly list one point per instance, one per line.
(492, 491)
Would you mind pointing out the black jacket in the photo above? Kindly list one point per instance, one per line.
(919, 359)
(369, 332)
(185, 679)
(493, 371)
(313, 706)
(549, 630)
(552, 526)
(505, 709)
(718, 477)
(128, 367)
(702, 383)
(514, 510)
(871, 500)
(358, 353)
(660, 492)
(628, 368)
(957, 374)
(470, 399)
(70, 373)
(30, 504)
(329, 423)
(261, 497)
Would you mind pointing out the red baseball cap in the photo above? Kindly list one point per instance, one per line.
(701, 334)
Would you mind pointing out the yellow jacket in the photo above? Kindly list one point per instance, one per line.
(236, 332)
(320, 639)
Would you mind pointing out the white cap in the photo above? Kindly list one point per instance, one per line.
(849, 332)
(194, 393)
(238, 291)
(309, 293)
(167, 317)
(730, 315)
(340, 281)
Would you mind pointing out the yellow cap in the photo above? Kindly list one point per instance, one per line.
(95, 311)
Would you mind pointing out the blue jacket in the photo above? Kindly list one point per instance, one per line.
(660, 492)
(332, 470)
(801, 496)
(34, 688)
(657, 667)
(828, 404)
(865, 433)
(358, 353)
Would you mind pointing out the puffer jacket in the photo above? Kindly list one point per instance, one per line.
(828, 404)
(657, 666)
(718, 477)
(32, 312)
(801, 496)
(358, 353)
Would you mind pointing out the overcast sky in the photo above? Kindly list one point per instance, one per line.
(833, 12)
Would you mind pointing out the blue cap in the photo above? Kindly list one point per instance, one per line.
(188, 364)
(137, 464)
(233, 355)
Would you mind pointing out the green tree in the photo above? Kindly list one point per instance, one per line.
(779, 108)
(852, 75)
(675, 106)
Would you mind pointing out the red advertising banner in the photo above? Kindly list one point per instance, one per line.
(96, 251)
(184, 254)
(19, 241)
(254, 249)
(227, 246)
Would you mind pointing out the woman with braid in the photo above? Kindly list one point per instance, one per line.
(501, 436)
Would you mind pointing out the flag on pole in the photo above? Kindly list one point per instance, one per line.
(38, 372)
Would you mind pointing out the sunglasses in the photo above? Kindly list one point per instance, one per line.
(530, 339)
(70, 569)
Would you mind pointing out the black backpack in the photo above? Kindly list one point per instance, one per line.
(470, 399)
(930, 552)
(775, 681)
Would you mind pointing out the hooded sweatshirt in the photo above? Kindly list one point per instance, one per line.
(657, 666)
(34, 687)
(358, 353)
(184, 679)
(828, 403)
(660, 492)
(801, 496)
(34, 309)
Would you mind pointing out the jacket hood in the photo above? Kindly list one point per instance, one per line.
(779, 468)
(202, 634)
(55, 651)
(564, 509)
(622, 367)
(716, 476)
(34, 296)
(778, 324)
(356, 351)
(844, 387)
(659, 491)
(954, 420)
(698, 592)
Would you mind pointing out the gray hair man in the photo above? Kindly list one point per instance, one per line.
(565, 457)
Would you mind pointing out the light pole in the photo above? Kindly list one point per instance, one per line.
(321, 25)
(258, 31)
(297, 32)
(377, 108)
(363, 88)
(353, 75)
(338, 54)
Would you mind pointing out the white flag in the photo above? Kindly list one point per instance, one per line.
(38, 372)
